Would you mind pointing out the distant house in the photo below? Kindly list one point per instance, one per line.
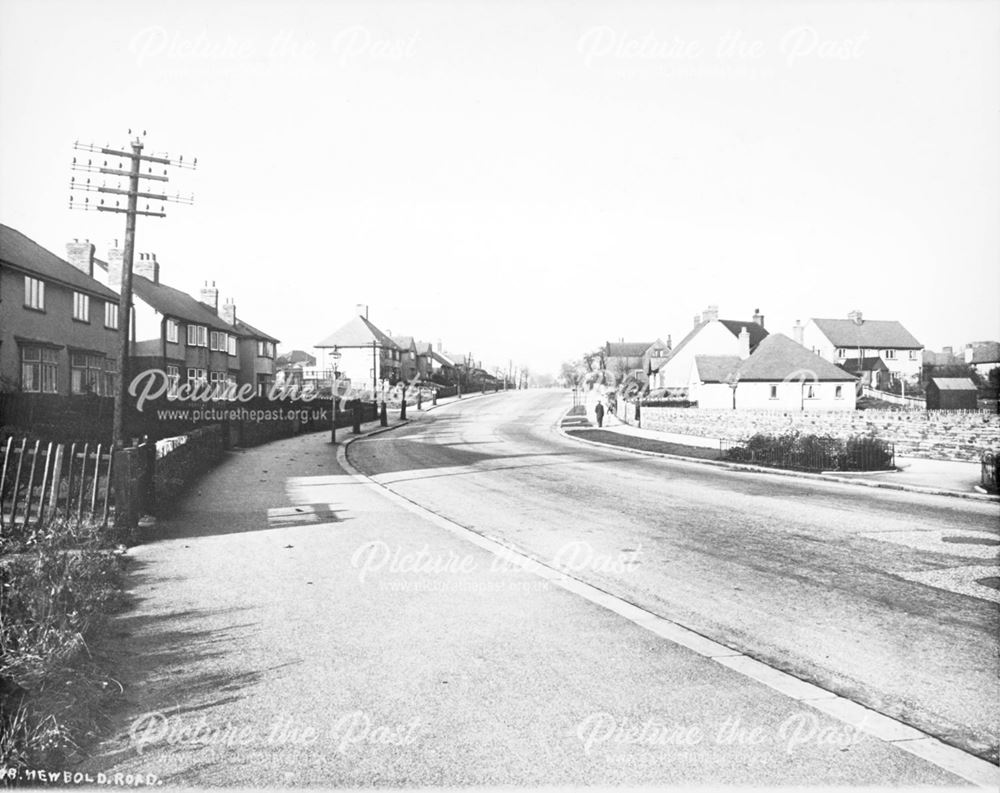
(408, 357)
(291, 367)
(983, 356)
(946, 357)
(709, 336)
(633, 358)
(952, 393)
(779, 374)
(871, 371)
(836, 340)
(58, 324)
(367, 356)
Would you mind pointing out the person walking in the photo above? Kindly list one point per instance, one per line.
(599, 412)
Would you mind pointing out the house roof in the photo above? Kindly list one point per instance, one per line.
(716, 368)
(25, 254)
(627, 349)
(177, 304)
(424, 347)
(246, 329)
(441, 358)
(757, 332)
(930, 358)
(986, 352)
(734, 326)
(872, 333)
(296, 356)
(954, 384)
(869, 364)
(779, 358)
(358, 332)
(457, 359)
(404, 342)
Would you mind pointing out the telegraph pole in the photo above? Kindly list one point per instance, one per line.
(132, 194)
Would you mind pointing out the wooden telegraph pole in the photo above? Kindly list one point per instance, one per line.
(131, 210)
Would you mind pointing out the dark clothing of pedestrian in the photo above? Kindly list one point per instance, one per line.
(599, 412)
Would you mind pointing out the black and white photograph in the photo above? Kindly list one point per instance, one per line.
(500, 394)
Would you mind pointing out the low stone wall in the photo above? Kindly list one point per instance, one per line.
(936, 435)
(186, 462)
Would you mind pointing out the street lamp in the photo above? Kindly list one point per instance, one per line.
(334, 356)
(733, 381)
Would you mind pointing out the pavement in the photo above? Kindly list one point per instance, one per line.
(915, 472)
(294, 623)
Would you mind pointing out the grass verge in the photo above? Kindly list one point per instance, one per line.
(58, 586)
(645, 444)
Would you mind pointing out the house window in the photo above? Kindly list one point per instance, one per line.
(38, 369)
(841, 352)
(197, 336)
(110, 375)
(173, 377)
(195, 376)
(86, 373)
(913, 355)
(810, 392)
(838, 392)
(774, 392)
(217, 341)
(265, 349)
(111, 316)
(34, 293)
(81, 307)
(172, 330)
(231, 345)
(890, 355)
(215, 378)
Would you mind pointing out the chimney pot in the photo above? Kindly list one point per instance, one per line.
(758, 317)
(210, 296)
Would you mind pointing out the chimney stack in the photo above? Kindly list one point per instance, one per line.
(81, 256)
(758, 317)
(362, 309)
(855, 317)
(710, 313)
(210, 296)
(116, 263)
(744, 339)
(229, 311)
(798, 333)
(969, 352)
(697, 320)
(439, 347)
(670, 343)
(148, 267)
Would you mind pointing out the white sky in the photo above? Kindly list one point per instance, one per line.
(527, 180)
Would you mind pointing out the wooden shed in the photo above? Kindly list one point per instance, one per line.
(951, 393)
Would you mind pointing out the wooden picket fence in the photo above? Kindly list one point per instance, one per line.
(44, 481)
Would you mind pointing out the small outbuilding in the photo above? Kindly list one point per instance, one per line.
(952, 393)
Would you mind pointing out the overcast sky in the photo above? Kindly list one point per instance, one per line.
(527, 180)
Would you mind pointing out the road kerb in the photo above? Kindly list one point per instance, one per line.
(759, 469)
(930, 749)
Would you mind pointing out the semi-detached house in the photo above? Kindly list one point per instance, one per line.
(58, 324)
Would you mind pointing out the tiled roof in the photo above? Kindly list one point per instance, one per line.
(954, 384)
(734, 326)
(424, 347)
(26, 254)
(404, 342)
(871, 333)
(757, 332)
(358, 332)
(627, 349)
(930, 358)
(442, 359)
(869, 364)
(294, 357)
(716, 368)
(779, 358)
(246, 329)
(986, 352)
(177, 304)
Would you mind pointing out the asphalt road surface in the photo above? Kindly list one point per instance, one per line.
(828, 582)
(295, 625)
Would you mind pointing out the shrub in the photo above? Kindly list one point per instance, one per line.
(799, 451)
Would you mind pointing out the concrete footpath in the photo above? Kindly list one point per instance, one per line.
(932, 475)
(293, 625)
